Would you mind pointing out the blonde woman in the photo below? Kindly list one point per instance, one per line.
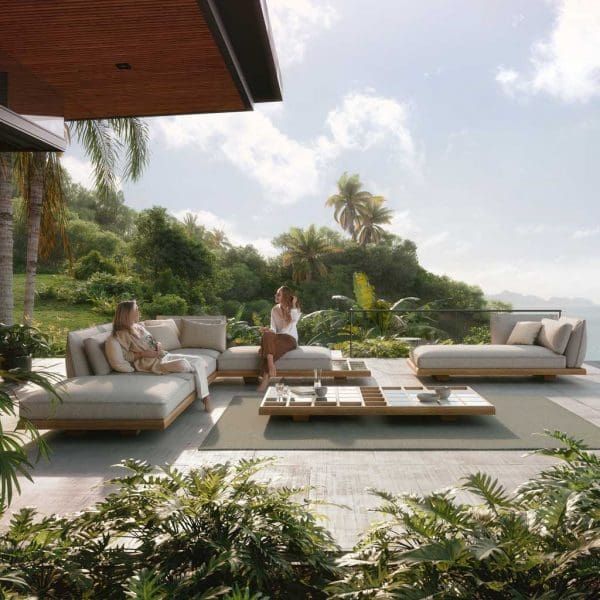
(140, 349)
(282, 336)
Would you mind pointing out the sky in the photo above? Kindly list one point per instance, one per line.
(477, 120)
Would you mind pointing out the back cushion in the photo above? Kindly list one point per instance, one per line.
(555, 335)
(524, 332)
(502, 324)
(95, 352)
(577, 346)
(197, 334)
(165, 332)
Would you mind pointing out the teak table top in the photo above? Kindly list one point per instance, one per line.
(374, 400)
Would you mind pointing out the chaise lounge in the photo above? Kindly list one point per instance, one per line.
(97, 397)
(523, 344)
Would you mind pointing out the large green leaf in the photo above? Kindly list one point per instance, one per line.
(364, 292)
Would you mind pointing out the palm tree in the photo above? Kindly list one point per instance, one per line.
(6, 238)
(217, 238)
(372, 215)
(348, 202)
(39, 176)
(304, 250)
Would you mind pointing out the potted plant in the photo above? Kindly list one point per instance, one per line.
(18, 343)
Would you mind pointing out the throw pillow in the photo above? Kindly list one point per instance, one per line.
(165, 332)
(524, 332)
(554, 335)
(114, 354)
(95, 351)
(195, 334)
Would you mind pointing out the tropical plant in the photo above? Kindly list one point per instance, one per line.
(370, 219)
(91, 263)
(205, 533)
(240, 332)
(349, 202)
(542, 541)
(374, 347)
(304, 250)
(14, 459)
(165, 304)
(21, 340)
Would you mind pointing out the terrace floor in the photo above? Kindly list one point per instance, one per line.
(73, 478)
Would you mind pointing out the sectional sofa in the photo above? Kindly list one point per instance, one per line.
(522, 344)
(97, 397)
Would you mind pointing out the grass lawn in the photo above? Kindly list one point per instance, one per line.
(55, 317)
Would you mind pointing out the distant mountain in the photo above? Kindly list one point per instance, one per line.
(521, 301)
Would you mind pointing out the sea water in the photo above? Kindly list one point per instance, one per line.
(592, 316)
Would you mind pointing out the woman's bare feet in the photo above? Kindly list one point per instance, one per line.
(264, 383)
(206, 402)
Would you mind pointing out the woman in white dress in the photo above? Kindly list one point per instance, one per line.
(281, 336)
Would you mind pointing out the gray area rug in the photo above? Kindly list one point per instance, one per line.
(513, 427)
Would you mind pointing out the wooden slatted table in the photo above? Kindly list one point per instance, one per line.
(374, 400)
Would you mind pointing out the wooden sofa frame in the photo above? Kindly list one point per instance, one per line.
(445, 373)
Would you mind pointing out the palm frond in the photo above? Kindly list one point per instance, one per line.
(134, 135)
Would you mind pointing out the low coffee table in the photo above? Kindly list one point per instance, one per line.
(374, 400)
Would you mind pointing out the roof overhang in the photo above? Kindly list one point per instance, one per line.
(78, 59)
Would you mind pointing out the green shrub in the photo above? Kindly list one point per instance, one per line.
(478, 334)
(543, 541)
(123, 287)
(374, 348)
(195, 535)
(165, 304)
(93, 262)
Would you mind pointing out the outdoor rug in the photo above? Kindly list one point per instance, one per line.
(513, 426)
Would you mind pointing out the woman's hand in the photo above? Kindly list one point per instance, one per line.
(294, 302)
(158, 347)
(264, 329)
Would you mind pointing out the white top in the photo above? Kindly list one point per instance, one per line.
(278, 325)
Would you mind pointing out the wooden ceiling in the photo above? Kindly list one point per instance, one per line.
(181, 58)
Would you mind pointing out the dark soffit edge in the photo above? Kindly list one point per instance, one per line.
(248, 31)
(18, 134)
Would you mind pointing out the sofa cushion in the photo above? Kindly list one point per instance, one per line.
(246, 358)
(555, 335)
(76, 359)
(116, 396)
(490, 356)
(115, 356)
(198, 334)
(95, 352)
(165, 332)
(577, 345)
(524, 332)
(501, 324)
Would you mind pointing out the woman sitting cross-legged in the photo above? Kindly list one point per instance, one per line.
(139, 348)
(281, 337)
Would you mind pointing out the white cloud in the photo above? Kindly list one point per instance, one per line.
(434, 240)
(567, 63)
(585, 233)
(294, 23)
(403, 224)
(210, 220)
(288, 169)
(79, 170)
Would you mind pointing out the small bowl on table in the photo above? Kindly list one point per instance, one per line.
(321, 391)
(443, 393)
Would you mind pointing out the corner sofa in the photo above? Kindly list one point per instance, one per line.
(550, 347)
(97, 397)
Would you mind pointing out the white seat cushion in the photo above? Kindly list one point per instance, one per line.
(117, 396)
(490, 356)
(246, 358)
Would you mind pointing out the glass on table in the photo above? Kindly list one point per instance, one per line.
(279, 390)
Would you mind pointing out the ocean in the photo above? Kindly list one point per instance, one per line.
(592, 316)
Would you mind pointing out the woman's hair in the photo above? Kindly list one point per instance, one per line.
(122, 318)
(286, 303)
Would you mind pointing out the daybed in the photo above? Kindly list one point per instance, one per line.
(522, 344)
(97, 397)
